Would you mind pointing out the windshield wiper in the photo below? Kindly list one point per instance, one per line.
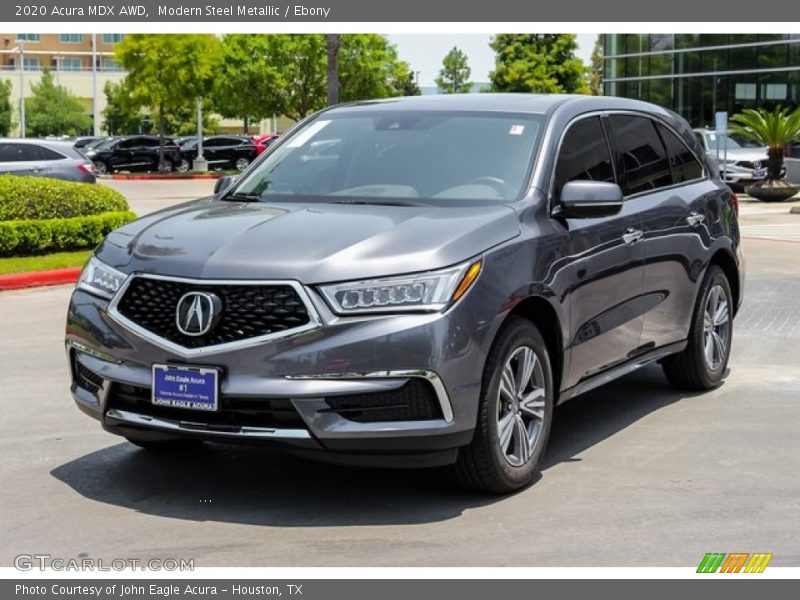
(378, 202)
(242, 197)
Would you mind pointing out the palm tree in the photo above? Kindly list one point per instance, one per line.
(773, 129)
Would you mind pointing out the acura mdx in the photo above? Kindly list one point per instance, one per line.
(416, 282)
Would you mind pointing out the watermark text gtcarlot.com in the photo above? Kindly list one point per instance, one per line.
(42, 562)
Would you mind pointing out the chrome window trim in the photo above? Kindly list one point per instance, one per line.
(170, 425)
(314, 319)
(612, 112)
(430, 376)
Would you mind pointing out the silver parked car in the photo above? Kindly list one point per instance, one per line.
(743, 164)
(44, 158)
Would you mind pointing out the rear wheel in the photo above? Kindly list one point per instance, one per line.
(702, 364)
(167, 166)
(183, 166)
(515, 412)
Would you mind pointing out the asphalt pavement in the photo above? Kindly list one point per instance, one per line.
(636, 474)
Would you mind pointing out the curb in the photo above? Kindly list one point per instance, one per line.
(157, 176)
(17, 281)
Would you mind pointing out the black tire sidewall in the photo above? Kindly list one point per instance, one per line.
(714, 276)
(517, 333)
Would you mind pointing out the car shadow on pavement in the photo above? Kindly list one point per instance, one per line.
(248, 485)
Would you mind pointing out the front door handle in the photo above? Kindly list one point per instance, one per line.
(35, 169)
(631, 236)
(695, 219)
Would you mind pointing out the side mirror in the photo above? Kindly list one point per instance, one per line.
(588, 200)
(223, 183)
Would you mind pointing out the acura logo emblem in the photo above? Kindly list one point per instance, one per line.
(197, 313)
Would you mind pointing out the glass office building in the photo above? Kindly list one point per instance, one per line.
(697, 75)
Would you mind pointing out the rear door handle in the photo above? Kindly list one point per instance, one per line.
(631, 236)
(695, 219)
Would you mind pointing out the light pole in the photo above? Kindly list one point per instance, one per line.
(21, 46)
(95, 115)
(200, 163)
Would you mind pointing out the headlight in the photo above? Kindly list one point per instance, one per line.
(99, 279)
(431, 291)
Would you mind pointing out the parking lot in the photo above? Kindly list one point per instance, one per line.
(636, 473)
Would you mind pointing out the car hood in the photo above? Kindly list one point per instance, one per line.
(748, 154)
(308, 242)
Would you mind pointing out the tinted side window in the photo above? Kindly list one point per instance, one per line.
(643, 154)
(130, 143)
(685, 167)
(584, 154)
(19, 152)
(48, 154)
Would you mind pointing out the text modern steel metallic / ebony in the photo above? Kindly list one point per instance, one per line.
(416, 282)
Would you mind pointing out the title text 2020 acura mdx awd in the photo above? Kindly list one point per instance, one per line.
(416, 282)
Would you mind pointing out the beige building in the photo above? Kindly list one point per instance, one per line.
(68, 56)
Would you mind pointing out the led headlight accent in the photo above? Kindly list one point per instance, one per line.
(431, 291)
(99, 279)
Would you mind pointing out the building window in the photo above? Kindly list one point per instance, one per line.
(71, 38)
(31, 64)
(28, 37)
(112, 38)
(71, 64)
(109, 64)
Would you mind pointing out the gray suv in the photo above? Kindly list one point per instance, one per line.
(416, 282)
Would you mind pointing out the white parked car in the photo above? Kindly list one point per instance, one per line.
(743, 164)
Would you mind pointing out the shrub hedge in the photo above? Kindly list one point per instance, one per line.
(38, 214)
(44, 198)
(49, 235)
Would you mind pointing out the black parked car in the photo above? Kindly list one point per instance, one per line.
(133, 153)
(221, 152)
(381, 289)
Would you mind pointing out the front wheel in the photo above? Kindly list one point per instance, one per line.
(242, 164)
(101, 168)
(702, 364)
(183, 166)
(515, 412)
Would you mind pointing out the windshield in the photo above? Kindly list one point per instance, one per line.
(724, 142)
(103, 144)
(419, 156)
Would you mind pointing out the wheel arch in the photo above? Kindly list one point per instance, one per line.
(723, 259)
(541, 313)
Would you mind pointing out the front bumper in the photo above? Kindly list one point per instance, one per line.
(355, 357)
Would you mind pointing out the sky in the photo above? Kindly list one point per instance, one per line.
(425, 51)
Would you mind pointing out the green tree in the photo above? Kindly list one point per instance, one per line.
(246, 79)
(6, 109)
(537, 63)
(168, 72)
(404, 80)
(368, 67)
(454, 75)
(53, 110)
(122, 115)
(771, 128)
(596, 68)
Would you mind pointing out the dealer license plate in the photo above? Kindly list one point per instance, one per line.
(193, 388)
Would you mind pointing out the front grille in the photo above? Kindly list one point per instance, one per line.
(415, 401)
(248, 311)
(233, 412)
(747, 164)
(85, 378)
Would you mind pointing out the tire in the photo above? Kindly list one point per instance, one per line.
(167, 166)
(101, 168)
(487, 464)
(695, 368)
(241, 164)
(163, 445)
(183, 166)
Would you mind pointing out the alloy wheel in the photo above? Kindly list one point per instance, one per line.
(716, 327)
(520, 406)
(242, 164)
